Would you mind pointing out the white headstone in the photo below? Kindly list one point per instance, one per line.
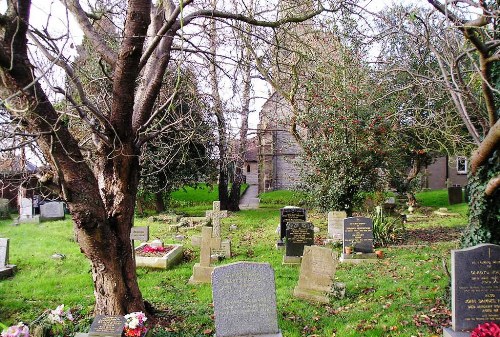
(335, 224)
(26, 208)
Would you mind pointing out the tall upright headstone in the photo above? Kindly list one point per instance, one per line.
(26, 211)
(298, 235)
(244, 297)
(475, 288)
(316, 274)
(203, 270)
(358, 234)
(6, 269)
(4, 209)
(335, 224)
(289, 214)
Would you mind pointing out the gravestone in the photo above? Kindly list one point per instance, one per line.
(4, 209)
(287, 214)
(455, 195)
(216, 215)
(140, 233)
(335, 222)
(244, 298)
(53, 210)
(316, 274)
(26, 212)
(475, 288)
(107, 326)
(298, 235)
(358, 233)
(36, 203)
(6, 269)
(203, 270)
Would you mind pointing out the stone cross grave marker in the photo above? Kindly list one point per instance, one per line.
(4, 209)
(289, 213)
(316, 274)
(335, 222)
(6, 269)
(203, 270)
(244, 297)
(298, 235)
(358, 233)
(216, 215)
(53, 210)
(475, 288)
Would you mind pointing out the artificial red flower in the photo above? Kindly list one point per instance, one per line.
(488, 329)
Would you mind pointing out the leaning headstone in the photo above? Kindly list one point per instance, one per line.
(287, 214)
(316, 274)
(26, 211)
(6, 269)
(335, 222)
(358, 234)
(244, 297)
(298, 235)
(203, 270)
(475, 288)
(4, 209)
(53, 210)
(107, 326)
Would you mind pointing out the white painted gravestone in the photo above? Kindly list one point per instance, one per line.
(53, 210)
(335, 222)
(6, 269)
(475, 288)
(316, 274)
(244, 298)
(203, 270)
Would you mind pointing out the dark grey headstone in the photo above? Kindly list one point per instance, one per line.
(475, 286)
(4, 209)
(107, 326)
(455, 195)
(359, 230)
(139, 233)
(53, 210)
(290, 213)
(244, 298)
(298, 235)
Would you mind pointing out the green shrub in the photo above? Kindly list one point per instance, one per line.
(387, 230)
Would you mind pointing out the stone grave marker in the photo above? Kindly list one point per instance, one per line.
(4, 209)
(316, 274)
(358, 233)
(6, 269)
(244, 297)
(107, 326)
(203, 270)
(216, 215)
(455, 195)
(26, 212)
(53, 210)
(475, 288)
(335, 222)
(140, 233)
(298, 235)
(289, 213)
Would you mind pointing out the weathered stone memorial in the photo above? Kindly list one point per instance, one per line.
(203, 270)
(4, 209)
(288, 214)
(53, 210)
(475, 288)
(335, 222)
(298, 235)
(26, 212)
(6, 269)
(316, 274)
(216, 215)
(358, 235)
(455, 195)
(244, 297)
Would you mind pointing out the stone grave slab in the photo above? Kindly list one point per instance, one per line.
(53, 210)
(6, 269)
(167, 261)
(475, 288)
(298, 235)
(335, 224)
(316, 274)
(107, 326)
(289, 213)
(202, 270)
(244, 297)
(358, 233)
(4, 209)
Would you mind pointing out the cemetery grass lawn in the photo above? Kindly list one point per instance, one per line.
(400, 295)
(202, 194)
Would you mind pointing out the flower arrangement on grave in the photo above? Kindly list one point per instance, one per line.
(18, 330)
(54, 323)
(152, 251)
(59, 316)
(134, 325)
(488, 329)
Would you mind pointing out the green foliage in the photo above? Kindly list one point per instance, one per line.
(387, 230)
(484, 211)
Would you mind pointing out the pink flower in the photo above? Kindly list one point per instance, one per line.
(488, 329)
(19, 330)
